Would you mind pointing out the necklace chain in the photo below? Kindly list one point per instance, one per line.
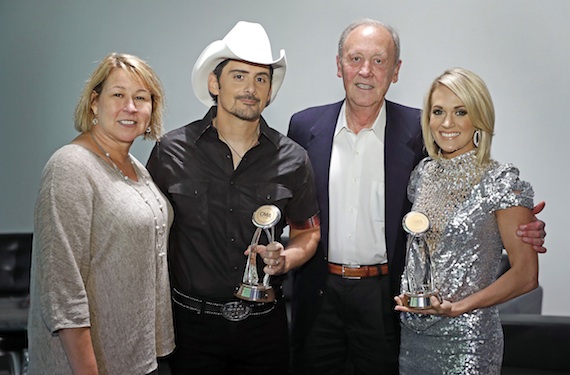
(160, 229)
(253, 139)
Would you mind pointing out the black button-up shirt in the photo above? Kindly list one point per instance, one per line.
(214, 204)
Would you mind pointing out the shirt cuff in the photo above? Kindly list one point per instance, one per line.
(312, 222)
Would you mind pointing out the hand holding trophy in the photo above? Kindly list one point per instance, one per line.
(264, 218)
(418, 273)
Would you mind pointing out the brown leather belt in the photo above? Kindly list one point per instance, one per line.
(358, 272)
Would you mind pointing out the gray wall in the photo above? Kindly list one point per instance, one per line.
(49, 48)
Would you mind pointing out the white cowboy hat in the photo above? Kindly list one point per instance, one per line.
(245, 42)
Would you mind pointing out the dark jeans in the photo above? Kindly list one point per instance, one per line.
(209, 344)
(356, 330)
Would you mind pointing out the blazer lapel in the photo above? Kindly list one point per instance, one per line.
(320, 148)
(400, 159)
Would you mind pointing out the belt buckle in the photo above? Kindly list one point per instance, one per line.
(236, 311)
(350, 266)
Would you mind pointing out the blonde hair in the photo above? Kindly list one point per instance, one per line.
(140, 71)
(474, 94)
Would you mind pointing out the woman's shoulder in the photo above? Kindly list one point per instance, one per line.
(503, 181)
(71, 153)
(498, 170)
(424, 163)
(71, 159)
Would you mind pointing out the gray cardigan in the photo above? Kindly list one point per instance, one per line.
(95, 264)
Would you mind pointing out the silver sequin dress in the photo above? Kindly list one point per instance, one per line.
(460, 199)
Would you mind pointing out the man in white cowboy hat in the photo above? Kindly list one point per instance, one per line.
(216, 172)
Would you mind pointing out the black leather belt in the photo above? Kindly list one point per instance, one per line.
(235, 311)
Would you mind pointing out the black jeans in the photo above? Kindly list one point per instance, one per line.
(355, 332)
(210, 344)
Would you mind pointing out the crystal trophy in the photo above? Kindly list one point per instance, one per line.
(418, 273)
(264, 218)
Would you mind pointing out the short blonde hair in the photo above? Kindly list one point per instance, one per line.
(139, 71)
(474, 94)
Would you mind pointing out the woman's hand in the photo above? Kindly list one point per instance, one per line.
(437, 307)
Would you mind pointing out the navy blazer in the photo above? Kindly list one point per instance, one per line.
(313, 129)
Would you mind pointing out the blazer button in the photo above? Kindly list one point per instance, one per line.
(321, 292)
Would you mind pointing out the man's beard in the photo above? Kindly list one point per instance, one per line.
(249, 113)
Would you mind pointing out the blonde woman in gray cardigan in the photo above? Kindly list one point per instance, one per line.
(100, 295)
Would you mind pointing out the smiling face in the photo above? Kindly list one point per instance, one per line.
(368, 65)
(123, 108)
(243, 90)
(449, 123)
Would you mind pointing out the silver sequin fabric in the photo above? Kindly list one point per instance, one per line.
(460, 199)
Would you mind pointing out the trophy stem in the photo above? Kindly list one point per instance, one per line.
(271, 237)
(418, 272)
(250, 275)
(264, 218)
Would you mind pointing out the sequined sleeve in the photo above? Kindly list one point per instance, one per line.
(415, 179)
(506, 189)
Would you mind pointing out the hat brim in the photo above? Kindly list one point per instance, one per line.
(217, 52)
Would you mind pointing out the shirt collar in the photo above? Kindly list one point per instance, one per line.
(264, 129)
(378, 126)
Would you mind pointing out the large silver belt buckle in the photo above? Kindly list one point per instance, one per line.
(235, 311)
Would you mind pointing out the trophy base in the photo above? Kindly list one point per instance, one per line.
(419, 300)
(255, 293)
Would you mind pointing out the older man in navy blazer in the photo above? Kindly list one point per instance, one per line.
(362, 150)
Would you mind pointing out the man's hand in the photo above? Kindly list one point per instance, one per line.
(273, 256)
(534, 232)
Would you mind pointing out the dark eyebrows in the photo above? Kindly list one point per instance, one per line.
(241, 71)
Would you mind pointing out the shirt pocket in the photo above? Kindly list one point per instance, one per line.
(190, 201)
(275, 194)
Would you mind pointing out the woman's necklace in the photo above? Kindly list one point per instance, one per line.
(159, 228)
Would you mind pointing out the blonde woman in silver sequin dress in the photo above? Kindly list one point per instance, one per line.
(475, 205)
(100, 293)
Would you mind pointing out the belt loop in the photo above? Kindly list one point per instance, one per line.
(202, 306)
(379, 268)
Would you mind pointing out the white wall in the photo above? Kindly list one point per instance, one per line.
(521, 48)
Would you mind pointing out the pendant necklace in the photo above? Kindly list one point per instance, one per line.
(159, 228)
(254, 138)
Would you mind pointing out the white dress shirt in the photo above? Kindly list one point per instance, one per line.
(356, 194)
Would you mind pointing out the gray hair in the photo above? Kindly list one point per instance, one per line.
(370, 22)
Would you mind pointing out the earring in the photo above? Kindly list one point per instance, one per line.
(147, 130)
(476, 137)
(95, 121)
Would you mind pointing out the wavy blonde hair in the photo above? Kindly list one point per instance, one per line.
(138, 70)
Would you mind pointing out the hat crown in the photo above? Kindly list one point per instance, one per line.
(250, 42)
(246, 41)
